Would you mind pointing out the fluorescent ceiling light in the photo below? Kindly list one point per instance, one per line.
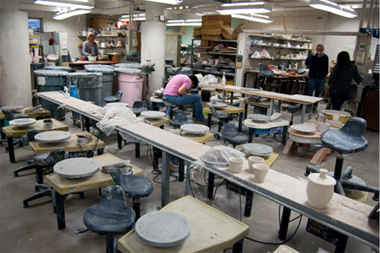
(134, 19)
(252, 18)
(68, 4)
(68, 14)
(333, 8)
(248, 7)
(166, 1)
(185, 24)
(184, 21)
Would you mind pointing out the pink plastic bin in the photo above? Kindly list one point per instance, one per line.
(131, 85)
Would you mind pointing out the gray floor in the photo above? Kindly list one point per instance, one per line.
(34, 229)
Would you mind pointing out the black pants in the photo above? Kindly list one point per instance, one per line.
(339, 94)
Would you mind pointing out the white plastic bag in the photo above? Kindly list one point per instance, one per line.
(209, 79)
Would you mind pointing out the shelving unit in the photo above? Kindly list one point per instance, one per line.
(34, 66)
(214, 55)
(277, 49)
(104, 38)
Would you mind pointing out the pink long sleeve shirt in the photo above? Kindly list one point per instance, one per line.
(175, 83)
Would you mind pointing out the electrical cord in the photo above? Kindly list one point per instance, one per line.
(157, 172)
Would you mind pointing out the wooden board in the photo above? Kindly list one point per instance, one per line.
(157, 122)
(211, 230)
(11, 131)
(70, 185)
(69, 145)
(199, 138)
(229, 109)
(44, 113)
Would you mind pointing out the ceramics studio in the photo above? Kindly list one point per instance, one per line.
(189, 126)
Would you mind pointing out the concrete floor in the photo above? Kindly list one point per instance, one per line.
(34, 229)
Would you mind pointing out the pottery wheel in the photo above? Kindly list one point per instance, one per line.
(304, 128)
(258, 117)
(162, 229)
(257, 149)
(153, 114)
(12, 107)
(207, 88)
(52, 136)
(76, 167)
(22, 122)
(195, 128)
(217, 105)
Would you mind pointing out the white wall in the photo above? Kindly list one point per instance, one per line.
(70, 25)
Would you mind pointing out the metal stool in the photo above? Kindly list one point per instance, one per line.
(113, 99)
(231, 136)
(138, 107)
(29, 136)
(180, 119)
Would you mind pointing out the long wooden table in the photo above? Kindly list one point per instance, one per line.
(299, 99)
(347, 216)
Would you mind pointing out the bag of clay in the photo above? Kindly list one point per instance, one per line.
(209, 79)
(220, 156)
(115, 115)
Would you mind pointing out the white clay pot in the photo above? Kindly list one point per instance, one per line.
(320, 189)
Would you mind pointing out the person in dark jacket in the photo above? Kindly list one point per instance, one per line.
(319, 65)
(340, 80)
(89, 46)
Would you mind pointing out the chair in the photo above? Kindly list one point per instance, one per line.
(10, 116)
(138, 107)
(171, 105)
(265, 72)
(293, 109)
(276, 86)
(115, 98)
(28, 137)
(180, 119)
(110, 216)
(347, 140)
(45, 160)
(135, 187)
(231, 136)
(221, 116)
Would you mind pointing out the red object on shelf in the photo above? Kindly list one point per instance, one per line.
(51, 41)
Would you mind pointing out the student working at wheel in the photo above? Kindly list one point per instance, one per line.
(176, 89)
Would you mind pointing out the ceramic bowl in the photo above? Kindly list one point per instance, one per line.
(260, 171)
(236, 164)
(253, 160)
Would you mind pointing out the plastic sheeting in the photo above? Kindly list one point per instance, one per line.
(209, 79)
(128, 65)
(99, 68)
(41, 72)
(220, 156)
(62, 68)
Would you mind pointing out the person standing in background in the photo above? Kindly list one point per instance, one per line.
(340, 80)
(89, 46)
(319, 65)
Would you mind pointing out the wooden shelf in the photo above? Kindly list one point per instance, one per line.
(293, 48)
(213, 72)
(278, 38)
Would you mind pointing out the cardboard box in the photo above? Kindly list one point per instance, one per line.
(196, 33)
(198, 29)
(211, 31)
(213, 24)
(227, 32)
(211, 37)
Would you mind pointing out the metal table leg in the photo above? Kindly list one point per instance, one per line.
(11, 150)
(59, 201)
(224, 95)
(181, 172)
(1, 126)
(137, 150)
(165, 179)
(119, 141)
(250, 134)
(210, 185)
(187, 185)
(271, 106)
(232, 98)
(303, 113)
(209, 120)
(284, 223)
(240, 121)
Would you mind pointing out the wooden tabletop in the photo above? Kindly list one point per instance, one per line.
(69, 145)
(229, 109)
(314, 135)
(12, 131)
(30, 115)
(157, 122)
(199, 138)
(211, 230)
(300, 99)
(278, 74)
(70, 185)
(265, 125)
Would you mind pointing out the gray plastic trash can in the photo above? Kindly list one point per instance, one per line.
(131, 65)
(62, 68)
(51, 80)
(107, 79)
(89, 85)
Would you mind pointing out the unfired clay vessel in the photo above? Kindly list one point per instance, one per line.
(320, 189)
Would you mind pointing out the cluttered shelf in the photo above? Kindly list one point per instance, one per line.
(278, 38)
(293, 48)
(280, 59)
(212, 72)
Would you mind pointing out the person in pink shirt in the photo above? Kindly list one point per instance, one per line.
(175, 92)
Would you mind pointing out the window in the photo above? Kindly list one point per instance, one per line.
(35, 24)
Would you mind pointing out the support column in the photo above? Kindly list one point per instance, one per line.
(15, 83)
(153, 37)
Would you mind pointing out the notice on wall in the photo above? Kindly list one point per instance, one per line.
(41, 80)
